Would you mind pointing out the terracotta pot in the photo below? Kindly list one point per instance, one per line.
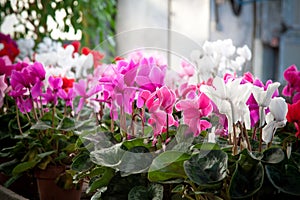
(49, 190)
(25, 185)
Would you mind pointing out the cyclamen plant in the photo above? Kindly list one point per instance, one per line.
(146, 124)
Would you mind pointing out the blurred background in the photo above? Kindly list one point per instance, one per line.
(270, 28)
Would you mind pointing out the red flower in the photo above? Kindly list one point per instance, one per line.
(293, 116)
(67, 83)
(10, 47)
(96, 55)
(75, 44)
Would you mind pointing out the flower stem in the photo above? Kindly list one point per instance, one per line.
(247, 137)
(234, 148)
(167, 136)
(18, 121)
(33, 108)
(260, 139)
(53, 112)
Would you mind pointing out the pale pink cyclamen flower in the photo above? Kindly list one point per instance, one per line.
(193, 111)
(188, 70)
(82, 90)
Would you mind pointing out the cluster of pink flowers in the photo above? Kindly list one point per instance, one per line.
(133, 86)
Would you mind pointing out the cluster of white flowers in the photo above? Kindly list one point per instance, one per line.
(26, 48)
(48, 45)
(219, 57)
(60, 61)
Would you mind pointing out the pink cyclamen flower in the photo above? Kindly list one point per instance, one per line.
(55, 85)
(81, 89)
(186, 90)
(150, 75)
(160, 105)
(67, 96)
(188, 69)
(193, 111)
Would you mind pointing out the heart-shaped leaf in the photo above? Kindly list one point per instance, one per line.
(82, 162)
(207, 167)
(168, 165)
(273, 156)
(247, 178)
(136, 160)
(108, 157)
(285, 179)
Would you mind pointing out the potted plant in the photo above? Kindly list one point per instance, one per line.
(50, 142)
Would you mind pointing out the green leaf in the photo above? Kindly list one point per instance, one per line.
(207, 167)
(67, 124)
(137, 193)
(168, 165)
(153, 192)
(109, 157)
(12, 180)
(285, 179)
(6, 167)
(41, 125)
(22, 167)
(102, 180)
(206, 146)
(247, 178)
(136, 160)
(49, 119)
(129, 144)
(43, 155)
(273, 155)
(101, 140)
(82, 162)
(178, 189)
(182, 147)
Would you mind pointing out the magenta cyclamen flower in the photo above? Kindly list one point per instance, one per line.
(27, 85)
(292, 88)
(51, 95)
(150, 75)
(67, 96)
(193, 111)
(160, 105)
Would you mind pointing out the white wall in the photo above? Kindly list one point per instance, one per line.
(178, 26)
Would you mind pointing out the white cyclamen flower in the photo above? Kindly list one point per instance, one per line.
(275, 119)
(263, 98)
(244, 52)
(230, 98)
(48, 45)
(26, 47)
